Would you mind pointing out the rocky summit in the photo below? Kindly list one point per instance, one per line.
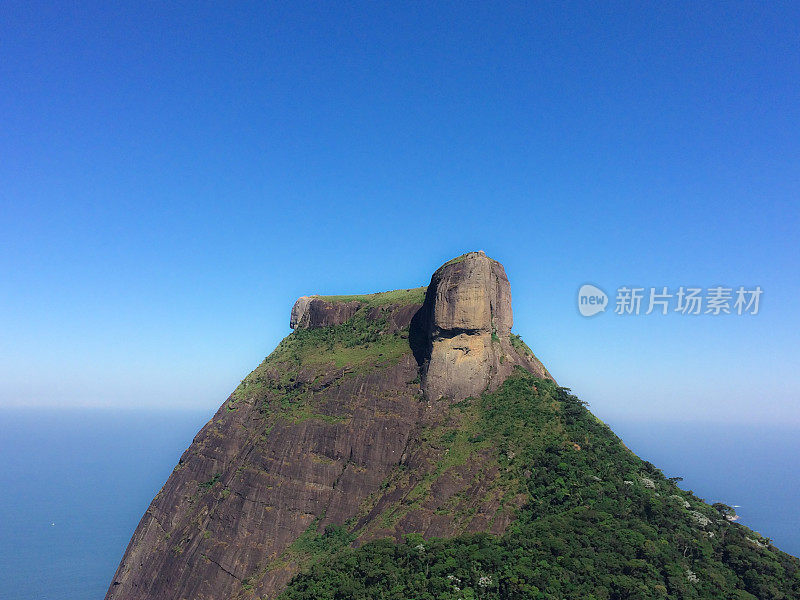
(407, 444)
(467, 319)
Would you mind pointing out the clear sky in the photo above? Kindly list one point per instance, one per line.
(173, 176)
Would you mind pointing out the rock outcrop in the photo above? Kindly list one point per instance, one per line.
(468, 319)
(339, 425)
(310, 312)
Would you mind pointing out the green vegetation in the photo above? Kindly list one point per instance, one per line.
(455, 260)
(520, 346)
(402, 297)
(599, 523)
(285, 385)
(211, 482)
(312, 547)
(363, 339)
(361, 343)
(461, 258)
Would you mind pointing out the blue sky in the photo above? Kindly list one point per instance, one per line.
(174, 176)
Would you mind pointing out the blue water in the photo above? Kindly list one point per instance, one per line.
(93, 473)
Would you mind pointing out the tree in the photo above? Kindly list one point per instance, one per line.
(723, 509)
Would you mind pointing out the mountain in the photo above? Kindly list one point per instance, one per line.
(406, 444)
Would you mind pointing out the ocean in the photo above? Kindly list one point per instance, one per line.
(76, 482)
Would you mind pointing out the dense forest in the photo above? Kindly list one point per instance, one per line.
(597, 523)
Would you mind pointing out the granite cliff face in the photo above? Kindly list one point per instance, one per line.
(338, 426)
(310, 312)
(468, 319)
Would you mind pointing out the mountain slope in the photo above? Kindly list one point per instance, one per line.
(418, 413)
(596, 522)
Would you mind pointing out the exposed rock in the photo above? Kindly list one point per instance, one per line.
(310, 312)
(467, 323)
(471, 294)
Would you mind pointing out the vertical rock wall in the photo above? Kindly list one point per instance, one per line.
(468, 319)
